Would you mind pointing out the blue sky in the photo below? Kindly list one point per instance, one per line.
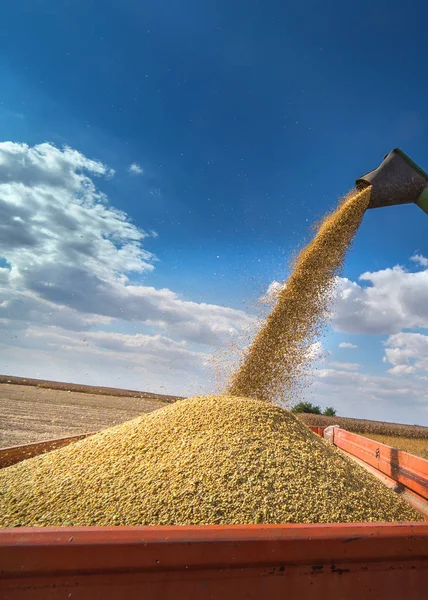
(248, 120)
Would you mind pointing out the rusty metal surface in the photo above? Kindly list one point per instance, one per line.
(370, 561)
(409, 470)
(14, 454)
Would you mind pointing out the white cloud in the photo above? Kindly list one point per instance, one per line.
(347, 345)
(146, 362)
(45, 164)
(23, 307)
(70, 253)
(420, 260)
(272, 293)
(52, 215)
(135, 169)
(395, 299)
(381, 397)
(407, 352)
(67, 256)
(154, 350)
(402, 370)
(344, 365)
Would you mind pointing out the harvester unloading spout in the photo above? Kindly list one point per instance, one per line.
(398, 180)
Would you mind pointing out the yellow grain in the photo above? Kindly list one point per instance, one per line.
(206, 460)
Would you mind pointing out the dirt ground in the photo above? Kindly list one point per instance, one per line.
(32, 414)
(87, 389)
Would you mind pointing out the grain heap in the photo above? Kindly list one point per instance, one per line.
(274, 366)
(214, 459)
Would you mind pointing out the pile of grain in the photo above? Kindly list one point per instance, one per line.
(202, 460)
(274, 366)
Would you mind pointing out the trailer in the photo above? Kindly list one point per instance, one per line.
(375, 561)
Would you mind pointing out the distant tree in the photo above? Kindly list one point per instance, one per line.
(329, 412)
(306, 407)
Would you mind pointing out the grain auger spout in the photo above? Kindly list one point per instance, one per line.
(398, 180)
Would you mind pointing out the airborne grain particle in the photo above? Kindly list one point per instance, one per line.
(209, 460)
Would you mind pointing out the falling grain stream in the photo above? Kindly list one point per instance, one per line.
(275, 363)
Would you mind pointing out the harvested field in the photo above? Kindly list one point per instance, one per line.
(417, 447)
(365, 427)
(85, 389)
(32, 414)
(41, 410)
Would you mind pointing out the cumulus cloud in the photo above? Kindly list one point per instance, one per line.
(272, 293)
(394, 299)
(373, 385)
(138, 347)
(402, 370)
(420, 260)
(44, 164)
(147, 362)
(387, 301)
(373, 396)
(51, 214)
(135, 169)
(163, 309)
(26, 308)
(344, 365)
(407, 352)
(67, 248)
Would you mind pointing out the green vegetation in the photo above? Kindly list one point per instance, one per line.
(312, 409)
